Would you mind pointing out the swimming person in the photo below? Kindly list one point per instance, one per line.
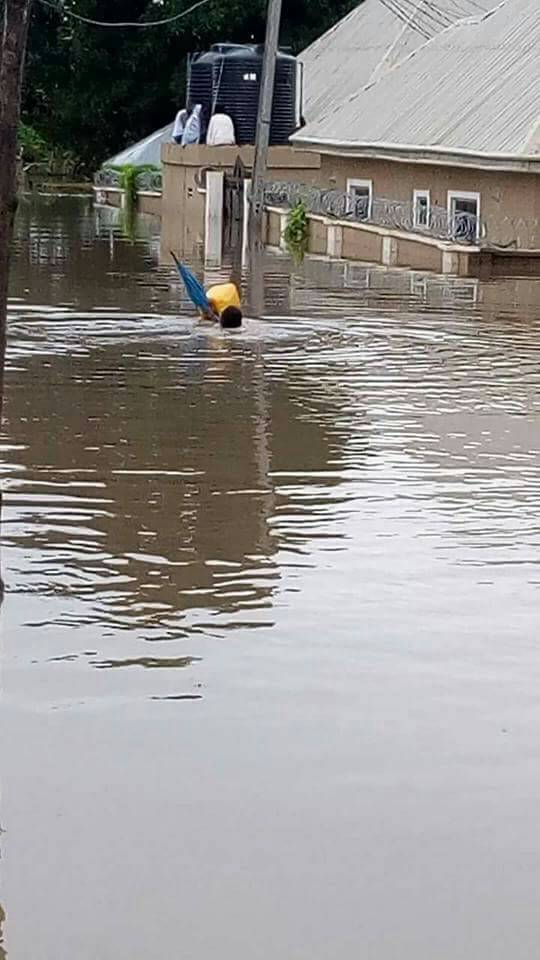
(225, 305)
(220, 303)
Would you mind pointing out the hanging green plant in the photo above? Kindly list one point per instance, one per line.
(128, 174)
(127, 222)
(296, 233)
(127, 181)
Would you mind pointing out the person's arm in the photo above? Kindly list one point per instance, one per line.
(211, 313)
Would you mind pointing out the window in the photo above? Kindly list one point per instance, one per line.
(360, 198)
(252, 77)
(464, 216)
(421, 208)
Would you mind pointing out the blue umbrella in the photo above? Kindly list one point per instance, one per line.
(194, 287)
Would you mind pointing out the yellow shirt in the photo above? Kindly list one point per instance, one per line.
(223, 295)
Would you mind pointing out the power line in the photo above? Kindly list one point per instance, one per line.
(60, 8)
(402, 15)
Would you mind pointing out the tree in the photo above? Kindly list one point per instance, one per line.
(12, 51)
(94, 90)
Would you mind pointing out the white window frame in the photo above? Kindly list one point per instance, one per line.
(464, 195)
(352, 182)
(421, 195)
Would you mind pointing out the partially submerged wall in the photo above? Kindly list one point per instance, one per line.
(183, 175)
(147, 202)
(369, 243)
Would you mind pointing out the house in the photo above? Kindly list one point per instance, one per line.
(370, 40)
(414, 108)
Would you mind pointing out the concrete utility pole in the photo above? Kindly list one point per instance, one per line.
(264, 118)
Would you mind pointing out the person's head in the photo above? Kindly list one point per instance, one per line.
(231, 318)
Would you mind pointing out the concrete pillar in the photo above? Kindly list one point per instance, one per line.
(213, 217)
(334, 241)
(450, 262)
(485, 265)
(390, 251)
(245, 222)
(282, 228)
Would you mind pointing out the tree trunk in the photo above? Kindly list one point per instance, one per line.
(16, 15)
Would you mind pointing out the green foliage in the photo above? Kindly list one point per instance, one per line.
(127, 181)
(50, 159)
(128, 177)
(128, 224)
(33, 145)
(93, 91)
(296, 233)
(129, 174)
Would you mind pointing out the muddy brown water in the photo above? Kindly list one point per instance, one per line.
(270, 658)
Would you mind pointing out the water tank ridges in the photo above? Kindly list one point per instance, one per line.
(227, 79)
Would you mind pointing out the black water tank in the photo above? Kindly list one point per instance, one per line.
(284, 120)
(201, 81)
(235, 85)
(200, 76)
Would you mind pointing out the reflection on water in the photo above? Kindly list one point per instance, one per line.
(330, 523)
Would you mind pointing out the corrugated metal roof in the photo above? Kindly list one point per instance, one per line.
(371, 39)
(474, 87)
(145, 151)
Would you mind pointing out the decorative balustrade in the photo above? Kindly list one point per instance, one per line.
(147, 180)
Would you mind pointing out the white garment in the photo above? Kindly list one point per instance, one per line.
(220, 131)
(192, 129)
(179, 123)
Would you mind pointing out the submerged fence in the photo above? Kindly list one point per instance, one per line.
(149, 181)
(432, 221)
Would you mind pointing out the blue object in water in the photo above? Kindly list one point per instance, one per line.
(194, 287)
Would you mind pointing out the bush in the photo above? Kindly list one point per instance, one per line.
(34, 147)
(296, 233)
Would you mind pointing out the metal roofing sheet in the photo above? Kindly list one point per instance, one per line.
(369, 40)
(145, 151)
(475, 86)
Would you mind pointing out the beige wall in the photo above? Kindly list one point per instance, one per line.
(182, 210)
(317, 236)
(183, 173)
(502, 195)
(418, 256)
(146, 203)
(149, 203)
(360, 244)
(273, 229)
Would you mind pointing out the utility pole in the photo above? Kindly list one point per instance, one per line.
(264, 118)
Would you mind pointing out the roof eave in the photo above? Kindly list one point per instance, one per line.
(410, 153)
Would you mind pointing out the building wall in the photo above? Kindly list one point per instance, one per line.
(317, 242)
(183, 170)
(418, 256)
(147, 203)
(509, 202)
(370, 243)
(273, 229)
(360, 244)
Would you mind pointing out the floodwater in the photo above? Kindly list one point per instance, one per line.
(270, 639)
